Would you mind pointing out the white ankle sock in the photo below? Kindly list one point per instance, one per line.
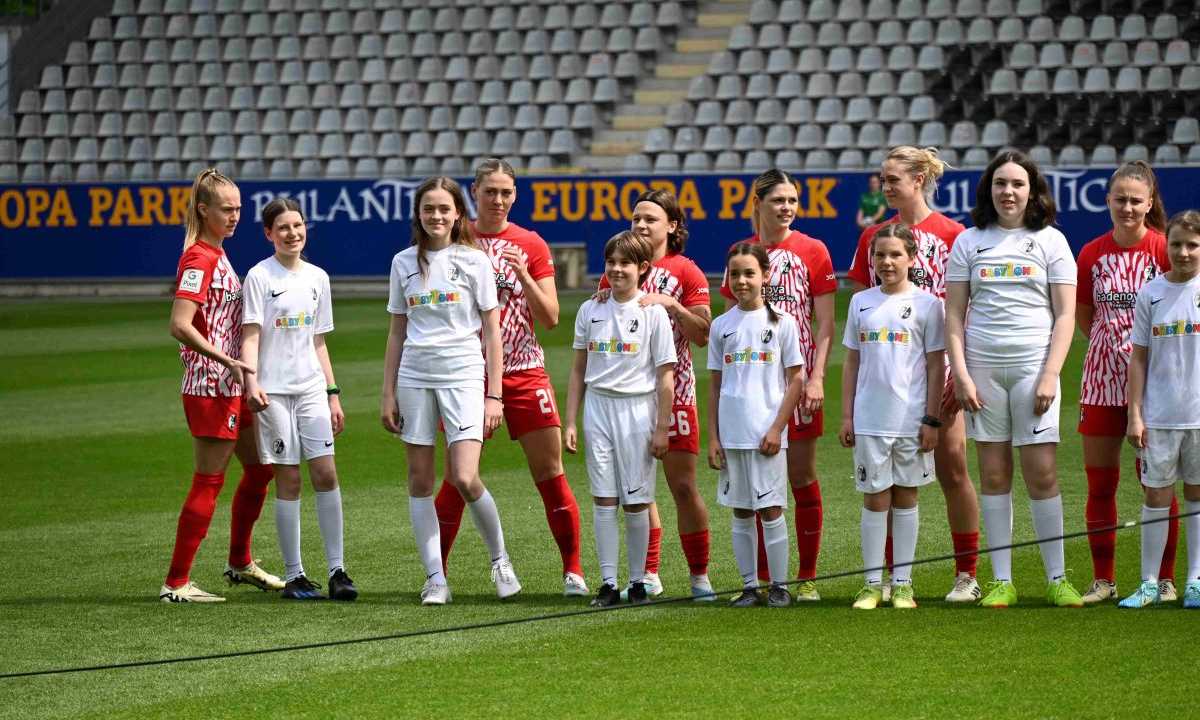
(905, 522)
(775, 536)
(873, 534)
(1154, 540)
(486, 518)
(997, 523)
(745, 549)
(637, 540)
(604, 522)
(1048, 523)
(287, 525)
(329, 518)
(428, 536)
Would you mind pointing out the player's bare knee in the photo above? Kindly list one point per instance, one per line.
(636, 507)
(769, 514)
(287, 482)
(605, 501)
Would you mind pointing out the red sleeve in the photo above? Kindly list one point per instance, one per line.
(695, 285)
(194, 276)
(859, 272)
(821, 280)
(541, 263)
(725, 291)
(603, 282)
(1160, 253)
(953, 230)
(1083, 280)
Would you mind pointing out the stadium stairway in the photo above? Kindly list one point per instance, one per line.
(706, 33)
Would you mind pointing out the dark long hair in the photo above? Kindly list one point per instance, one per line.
(633, 247)
(764, 264)
(277, 207)
(666, 200)
(1039, 211)
(461, 232)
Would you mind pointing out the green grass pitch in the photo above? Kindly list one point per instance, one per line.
(95, 461)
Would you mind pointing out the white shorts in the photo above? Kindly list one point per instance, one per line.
(1170, 455)
(459, 409)
(753, 481)
(1007, 394)
(617, 433)
(292, 427)
(881, 462)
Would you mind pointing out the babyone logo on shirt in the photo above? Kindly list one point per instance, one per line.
(294, 322)
(884, 336)
(1008, 271)
(750, 356)
(633, 325)
(434, 297)
(1175, 328)
(767, 334)
(615, 346)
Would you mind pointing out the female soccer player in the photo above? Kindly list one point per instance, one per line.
(288, 311)
(802, 284)
(676, 283)
(1006, 352)
(757, 379)
(1112, 268)
(442, 294)
(624, 359)
(524, 274)
(1164, 424)
(910, 178)
(206, 319)
(892, 382)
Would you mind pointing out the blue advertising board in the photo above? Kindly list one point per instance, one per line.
(134, 230)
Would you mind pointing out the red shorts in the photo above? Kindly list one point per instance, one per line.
(216, 417)
(811, 430)
(683, 435)
(1103, 420)
(529, 402)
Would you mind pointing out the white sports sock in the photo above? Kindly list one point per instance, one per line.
(1048, 523)
(905, 522)
(604, 521)
(997, 523)
(775, 536)
(428, 536)
(287, 526)
(873, 533)
(486, 518)
(637, 540)
(745, 549)
(1154, 540)
(1191, 526)
(329, 517)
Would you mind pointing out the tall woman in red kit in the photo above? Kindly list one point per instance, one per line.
(527, 294)
(1112, 268)
(802, 284)
(206, 319)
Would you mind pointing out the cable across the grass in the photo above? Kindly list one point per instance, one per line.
(555, 616)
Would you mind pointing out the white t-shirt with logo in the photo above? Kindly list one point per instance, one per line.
(443, 301)
(290, 308)
(1010, 272)
(892, 334)
(751, 353)
(625, 344)
(1166, 321)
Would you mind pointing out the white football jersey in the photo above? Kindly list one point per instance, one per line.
(751, 353)
(443, 302)
(625, 344)
(290, 308)
(1166, 321)
(1010, 272)
(892, 334)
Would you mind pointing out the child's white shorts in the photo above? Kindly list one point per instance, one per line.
(881, 462)
(616, 438)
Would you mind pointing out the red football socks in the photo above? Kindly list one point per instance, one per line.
(967, 543)
(449, 506)
(654, 550)
(695, 549)
(193, 523)
(809, 512)
(1100, 511)
(247, 506)
(562, 515)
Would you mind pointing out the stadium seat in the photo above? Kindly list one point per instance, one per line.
(1041, 155)
(1104, 155)
(1136, 151)
(1186, 131)
(1167, 155)
(1071, 156)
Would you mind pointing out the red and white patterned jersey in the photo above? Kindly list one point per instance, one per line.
(680, 278)
(1109, 279)
(934, 235)
(206, 277)
(521, 348)
(801, 269)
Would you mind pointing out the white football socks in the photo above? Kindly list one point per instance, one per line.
(745, 549)
(775, 536)
(287, 526)
(637, 541)
(873, 532)
(1154, 540)
(1048, 523)
(905, 522)
(604, 521)
(428, 536)
(997, 523)
(329, 518)
(486, 518)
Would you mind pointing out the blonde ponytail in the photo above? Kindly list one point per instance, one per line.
(203, 191)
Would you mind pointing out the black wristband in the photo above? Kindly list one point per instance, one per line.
(931, 421)
(497, 398)
(333, 390)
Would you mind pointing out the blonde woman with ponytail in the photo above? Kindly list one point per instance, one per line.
(909, 176)
(206, 319)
